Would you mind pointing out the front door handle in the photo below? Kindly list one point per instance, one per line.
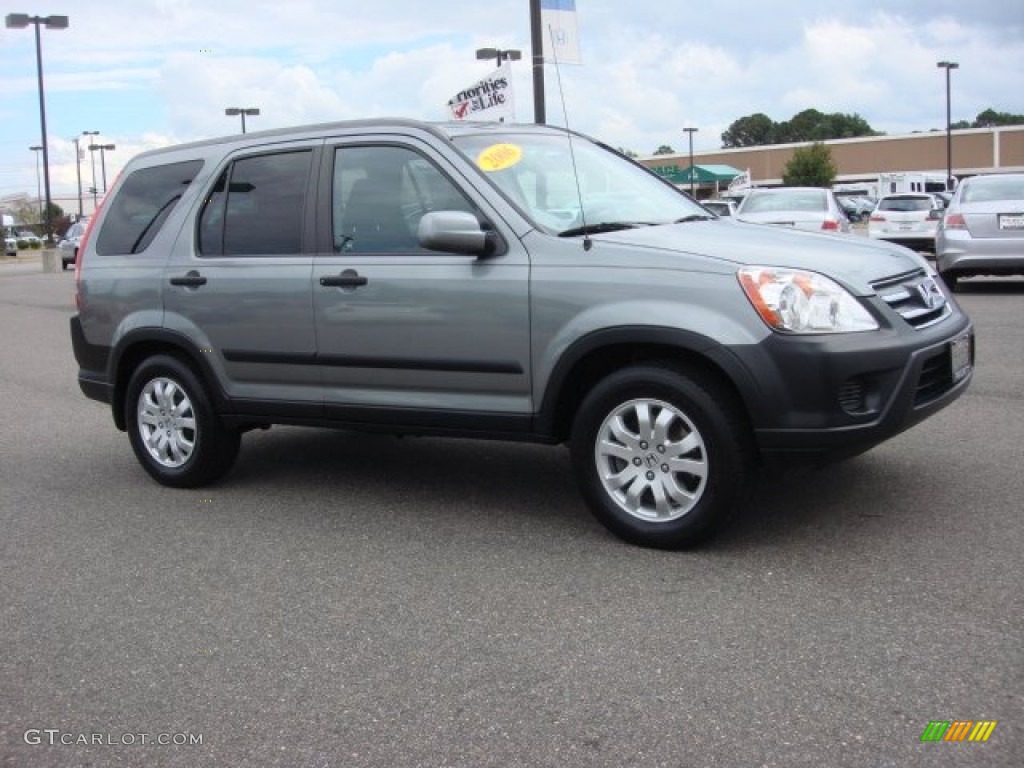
(191, 279)
(347, 279)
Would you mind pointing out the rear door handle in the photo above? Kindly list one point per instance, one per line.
(347, 279)
(191, 279)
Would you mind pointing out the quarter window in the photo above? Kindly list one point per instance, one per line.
(256, 207)
(141, 206)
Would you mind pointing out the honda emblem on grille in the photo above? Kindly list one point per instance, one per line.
(930, 294)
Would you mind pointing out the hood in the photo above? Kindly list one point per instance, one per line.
(852, 260)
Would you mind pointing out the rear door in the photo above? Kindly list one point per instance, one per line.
(239, 284)
(415, 336)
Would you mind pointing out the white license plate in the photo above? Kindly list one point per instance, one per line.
(1011, 221)
(906, 227)
(960, 356)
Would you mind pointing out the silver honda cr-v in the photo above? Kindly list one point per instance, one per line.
(497, 281)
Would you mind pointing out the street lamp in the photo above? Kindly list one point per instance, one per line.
(501, 54)
(78, 175)
(39, 193)
(92, 157)
(243, 111)
(103, 161)
(948, 65)
(690, 132)
(20, 21)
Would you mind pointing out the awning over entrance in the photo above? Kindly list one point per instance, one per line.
(700, 173)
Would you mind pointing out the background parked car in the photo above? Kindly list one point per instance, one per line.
(11, 246)
(810, 208)
(982, 231)
(910, 219)
(68, 247)
(722, 208)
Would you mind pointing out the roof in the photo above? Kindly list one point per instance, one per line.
(700, 173)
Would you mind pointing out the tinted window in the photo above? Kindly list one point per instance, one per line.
(381, 193)
(256, 207)
(142, 205)
(784, 201)
(905, 203)
(991, 189)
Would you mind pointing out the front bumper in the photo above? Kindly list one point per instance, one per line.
(845, 394)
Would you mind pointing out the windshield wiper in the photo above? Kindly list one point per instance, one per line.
(604, 226)
(694, 217)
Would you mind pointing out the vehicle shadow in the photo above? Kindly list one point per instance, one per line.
(456, 480)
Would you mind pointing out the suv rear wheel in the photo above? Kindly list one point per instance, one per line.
(174, 431)
(661, 458)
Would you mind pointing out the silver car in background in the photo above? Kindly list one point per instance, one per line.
(982, 232)
(809, 208)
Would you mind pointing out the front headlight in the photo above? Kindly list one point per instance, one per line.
(795, 301)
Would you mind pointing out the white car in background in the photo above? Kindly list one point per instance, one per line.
(908, 218)
(722, 208)
(810, 208)
(68, 247)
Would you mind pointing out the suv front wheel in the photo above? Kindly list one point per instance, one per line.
(174, 431)
(661, 458)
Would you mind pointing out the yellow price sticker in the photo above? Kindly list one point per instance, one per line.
(498, 157)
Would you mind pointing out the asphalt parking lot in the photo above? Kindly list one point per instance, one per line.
(342, 600)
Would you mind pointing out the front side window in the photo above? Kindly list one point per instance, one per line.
(257, 206)
(562, 186)
(141, 206)
(379, 195)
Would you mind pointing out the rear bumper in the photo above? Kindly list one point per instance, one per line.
(92, 365)
(993, 256)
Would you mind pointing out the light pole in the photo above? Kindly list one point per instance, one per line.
(948, 65)
(39, 193)
(537, 54)
(690, 132)
(78, 175)
(103, 161)
(243, 111)
(92, 158)
(20, 21)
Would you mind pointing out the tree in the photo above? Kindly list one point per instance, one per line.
(626, 152)
(810, 167)
(750, 131)
(990, 118)
(664, 149)
(810, 125)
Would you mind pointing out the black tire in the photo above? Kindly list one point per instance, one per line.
(950, 279)
(196, 447)
(702, 428)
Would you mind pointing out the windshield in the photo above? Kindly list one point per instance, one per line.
(536, 171)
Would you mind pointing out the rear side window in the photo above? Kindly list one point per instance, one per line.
(142, 205)
(256, 207)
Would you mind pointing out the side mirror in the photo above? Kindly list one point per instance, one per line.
(936, 213)
(455, 232)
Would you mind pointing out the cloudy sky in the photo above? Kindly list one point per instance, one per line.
(148, 73)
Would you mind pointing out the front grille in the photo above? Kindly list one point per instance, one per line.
(915, 296)
(936, 377)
